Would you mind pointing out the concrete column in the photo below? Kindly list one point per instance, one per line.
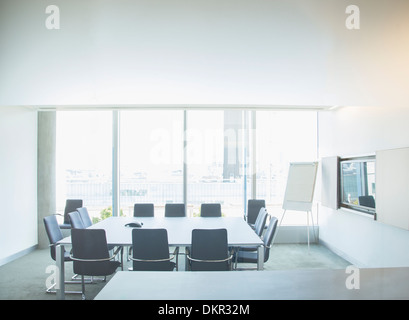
(46, 171)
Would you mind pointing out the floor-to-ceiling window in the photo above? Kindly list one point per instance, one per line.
(215, 160)
(282, 137)
(151, 158)
(197, 156)
(84, 160)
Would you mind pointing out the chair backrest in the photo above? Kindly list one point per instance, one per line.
(175, 210)
(70, 206)
(89, 244)
(86, 220)
(210, 210)
(209, 244)
(150, 244)
(53, 231)
(253, 209)
(261, 221)
(367, 201)
(269, 237)
(143, 210)
(75, 220)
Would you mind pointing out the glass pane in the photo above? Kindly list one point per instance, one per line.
(283, 137)
(358, 183)
(215, 165)
(84, 159)
(151, 158)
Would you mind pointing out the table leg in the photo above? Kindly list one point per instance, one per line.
(60, 281)
(260, 256)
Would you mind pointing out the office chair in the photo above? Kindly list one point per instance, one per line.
(210, 210)
(143, 210)
(70, 206)
(75, 220)
(54, 235)
(209, 251)
(87, 222)
(250, 256)
(259, 227)
(253, 209)
(85, 218)
(367, 201)
(90, 254)
(150, 251)
(175, 210)
(261, 221)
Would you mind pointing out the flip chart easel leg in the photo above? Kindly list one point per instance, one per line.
(308, 231)
(313, 229)
(282, 217)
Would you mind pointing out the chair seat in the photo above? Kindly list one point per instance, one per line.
(67, 256)
(104, 268)
(247, 256)
(254, 248)
(65, 226)
(154, 266)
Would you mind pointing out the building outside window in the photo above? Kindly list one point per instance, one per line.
(197, 156)
(84, 159)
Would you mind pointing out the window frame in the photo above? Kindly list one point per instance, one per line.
(354, 207)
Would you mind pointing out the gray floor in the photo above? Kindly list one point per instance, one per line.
(26, 278)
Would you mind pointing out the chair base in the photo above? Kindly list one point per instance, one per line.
(83, 286)
(54, 291)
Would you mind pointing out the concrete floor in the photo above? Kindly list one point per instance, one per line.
(26, 278)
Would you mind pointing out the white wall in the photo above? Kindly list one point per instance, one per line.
(354, 131)
(18, 181)
(276, 52)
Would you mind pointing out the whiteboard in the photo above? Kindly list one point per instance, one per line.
(299, 192)
(392, 192)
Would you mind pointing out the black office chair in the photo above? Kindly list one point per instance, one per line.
(54, 235)
(367, 201)
(85, 218)
(259, 227)
(253, 209)
(150, 251)
(75, 220)
(209, 251)
(210, 210)
(143, 210)
(70, 206)
(90, 254)
(87, 222)
(261, 221)
(247, 256)
(175, 210)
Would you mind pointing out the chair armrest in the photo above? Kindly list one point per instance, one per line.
(152, 260)
(97, 260)
(176, 252)
(221, 260)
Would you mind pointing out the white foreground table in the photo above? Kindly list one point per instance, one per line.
(179, 231)
(316, 284)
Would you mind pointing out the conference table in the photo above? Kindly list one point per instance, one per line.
(294, 284)
(239, 234)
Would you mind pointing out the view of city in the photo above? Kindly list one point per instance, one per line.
(218, 156)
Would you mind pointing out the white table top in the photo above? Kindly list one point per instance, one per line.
(179, 229)
(316, 284)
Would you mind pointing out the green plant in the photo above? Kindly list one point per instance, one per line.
(105, 213)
